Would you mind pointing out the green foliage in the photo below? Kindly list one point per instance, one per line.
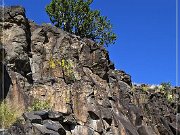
(166, 86)
(52, 63)
(38, 105)
(170, 97)
(76, 17)
(145, 88)
(8, 115)
(66, 66)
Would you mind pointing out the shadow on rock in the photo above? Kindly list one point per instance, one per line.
(5, 82)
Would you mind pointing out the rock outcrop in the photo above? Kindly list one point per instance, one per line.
(86, 95)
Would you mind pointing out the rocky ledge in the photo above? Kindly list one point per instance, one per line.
(84, 92)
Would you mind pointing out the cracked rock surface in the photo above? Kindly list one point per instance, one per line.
(86, 94)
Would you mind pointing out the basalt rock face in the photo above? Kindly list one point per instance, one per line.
(87, 96)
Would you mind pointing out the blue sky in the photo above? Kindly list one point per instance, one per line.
(146, 30)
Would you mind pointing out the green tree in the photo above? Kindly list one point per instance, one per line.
(76, 17)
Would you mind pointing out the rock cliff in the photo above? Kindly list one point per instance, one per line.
(86, 95)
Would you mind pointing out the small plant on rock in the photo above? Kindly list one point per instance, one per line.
(38, 105)
(170, 97)
(8, 115)
(66, 67)
(145, 87)
(166, 86)
(167, 90)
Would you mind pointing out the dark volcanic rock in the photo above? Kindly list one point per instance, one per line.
(55, 126)
(43, 114)
(30, 116)
(56, 116)
(42, 130)
(85, 94)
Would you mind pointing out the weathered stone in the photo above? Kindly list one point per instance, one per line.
(144, 130)
(55, 126)
(70, 120)
(136, 115)
(175, 128)
(119, 75)
(16, 130)
(56, 116)
(82, 130)
(106, 114)
(97, 125)
(4, 132)
(43, 114)
(93, 115)
(30, 116)
(43, 130)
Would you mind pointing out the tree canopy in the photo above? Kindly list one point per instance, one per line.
(76, 17)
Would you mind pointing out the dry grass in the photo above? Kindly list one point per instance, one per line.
(8, 115)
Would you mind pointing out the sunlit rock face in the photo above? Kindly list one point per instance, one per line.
(87, 96)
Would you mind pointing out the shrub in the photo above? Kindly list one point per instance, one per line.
(145, 88)
(38, 105)
(166, 86)
(8, 115)
(66, 66)
(170, 97)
